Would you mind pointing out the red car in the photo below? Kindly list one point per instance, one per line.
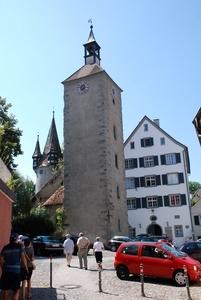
(158, 260)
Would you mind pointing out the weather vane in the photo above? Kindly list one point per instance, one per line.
(90, 21)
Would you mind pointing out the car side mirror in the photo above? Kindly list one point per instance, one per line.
(170, 257)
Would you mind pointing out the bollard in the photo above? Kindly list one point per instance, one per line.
(142, 280)
(50, 271)
(187, 283)
(99, 280)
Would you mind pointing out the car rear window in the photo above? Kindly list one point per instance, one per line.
(131, 250)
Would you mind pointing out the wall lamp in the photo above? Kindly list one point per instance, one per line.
(167, 224)
(140, 225)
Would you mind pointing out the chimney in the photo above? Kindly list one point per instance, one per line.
(157, 122)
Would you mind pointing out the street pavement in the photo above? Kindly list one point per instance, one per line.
(73, 283)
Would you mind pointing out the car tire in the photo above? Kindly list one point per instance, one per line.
(113, 248)
(122, 272)
(179, 277)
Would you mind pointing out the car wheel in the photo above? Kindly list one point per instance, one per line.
(179, 278)
(122, 272)
(113, 248)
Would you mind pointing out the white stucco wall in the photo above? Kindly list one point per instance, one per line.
(140, 218)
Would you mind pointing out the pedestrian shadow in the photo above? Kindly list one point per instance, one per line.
(45, 293)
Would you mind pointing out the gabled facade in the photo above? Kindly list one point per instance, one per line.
(156, 169)
(44, 163)
(196, 215)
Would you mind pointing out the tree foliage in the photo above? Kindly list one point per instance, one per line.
(10, 146)
(58, 166)
(38, 222)
(60, 216)
(24, 191)
(194, 186)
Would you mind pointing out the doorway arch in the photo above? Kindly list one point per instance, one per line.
(154, 229)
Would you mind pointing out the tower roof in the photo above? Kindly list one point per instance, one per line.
(52, 145)
(92, 49)
(37, 152)
(91, 37)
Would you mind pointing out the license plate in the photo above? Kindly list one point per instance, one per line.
(55, 245)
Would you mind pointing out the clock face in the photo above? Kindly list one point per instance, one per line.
(82, 87)
(113, 91)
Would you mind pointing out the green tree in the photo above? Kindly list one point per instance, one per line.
(60, 216)
(38, 222)
(58, 166)
(10, 146)
(24, 191)
(194, 186)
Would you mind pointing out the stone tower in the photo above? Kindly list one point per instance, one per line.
(44, 163)
(94, 177)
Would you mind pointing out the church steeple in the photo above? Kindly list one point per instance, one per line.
(37, 154)
(52, 148)
(43, 164)
(91, 50)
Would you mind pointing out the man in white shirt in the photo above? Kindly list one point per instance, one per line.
(83, 244)
(68, 249)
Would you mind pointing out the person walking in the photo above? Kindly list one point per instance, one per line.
(10, 257)
(68, 249)
(83, 244)
(26, 277)
(98, 248)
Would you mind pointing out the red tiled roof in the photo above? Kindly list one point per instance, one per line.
(56, 198)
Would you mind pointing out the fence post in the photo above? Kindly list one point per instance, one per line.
(99, 277)
(50, 271)
(142, 280)
(187, 283)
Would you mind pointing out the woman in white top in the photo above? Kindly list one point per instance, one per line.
(98, 248)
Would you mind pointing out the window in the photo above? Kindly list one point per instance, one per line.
(148, 161)
(118, 195)
(150, 181)
(178, 230)
(162, 141)
(132, 145)
(147, 142)
(197, 220)
(132, 232)
(175, 200)
(172, 178)
(152, 201)
(177, 216)
(129, 164)
(116, 161)
(131, 203)
(40, 171)
(145, 127)
(114, 132)
(119, 225)
(130, 183)
(131, 250)
(170, 159)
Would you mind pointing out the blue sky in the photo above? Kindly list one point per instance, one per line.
(151, 49)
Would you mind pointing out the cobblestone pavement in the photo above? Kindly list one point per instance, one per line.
(73, 283)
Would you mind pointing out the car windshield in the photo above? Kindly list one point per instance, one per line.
(173, 251)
